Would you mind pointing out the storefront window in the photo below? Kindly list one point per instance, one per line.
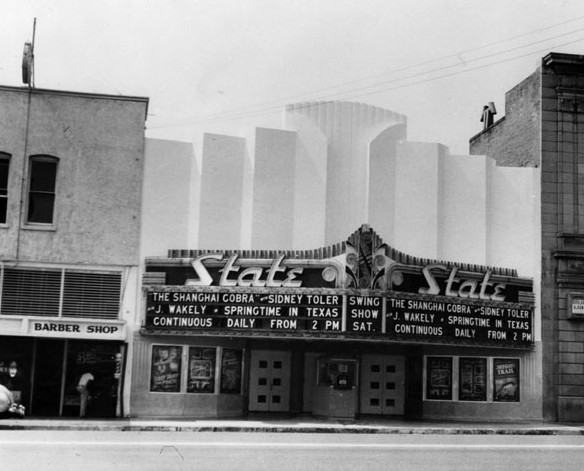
(201, 374)
(506, 380)
(439, 378)
(472, 379)
(165, 375)
(231, 366)
(15, 364)
(95, 360)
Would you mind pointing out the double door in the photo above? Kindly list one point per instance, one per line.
(382, 385)
(269, 388)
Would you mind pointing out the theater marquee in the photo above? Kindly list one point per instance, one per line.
(358, 289)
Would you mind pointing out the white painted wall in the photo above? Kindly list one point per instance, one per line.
(513, 228)
(382, 171)
(349, 128)
(310, 183)
(416, 199)
(335, 167)
(274, 189)
(463, 204)
(222, 178)
(168, 184)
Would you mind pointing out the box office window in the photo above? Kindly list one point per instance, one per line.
(505, 380)
(337, 373)
(165, 373)
(201, 370)
(439, 378)
(472, 379)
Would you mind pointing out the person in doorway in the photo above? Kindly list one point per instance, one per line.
(83, 388)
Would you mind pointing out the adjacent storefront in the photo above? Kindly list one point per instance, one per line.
(58, 324)
(353, 329)
(44, 372)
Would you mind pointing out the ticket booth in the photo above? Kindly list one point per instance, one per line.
(335, 392)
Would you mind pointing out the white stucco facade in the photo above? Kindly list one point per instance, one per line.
(332, 168)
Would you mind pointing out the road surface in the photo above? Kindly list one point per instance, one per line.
(217, 451)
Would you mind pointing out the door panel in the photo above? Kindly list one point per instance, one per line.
(382, 385)
(269, 389)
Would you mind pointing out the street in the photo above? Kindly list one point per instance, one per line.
(144, 451)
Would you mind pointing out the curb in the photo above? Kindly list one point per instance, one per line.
(422, 429)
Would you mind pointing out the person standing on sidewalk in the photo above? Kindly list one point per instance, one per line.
(83, 388)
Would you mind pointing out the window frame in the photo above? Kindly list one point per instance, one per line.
(32, 160)
(5, 158)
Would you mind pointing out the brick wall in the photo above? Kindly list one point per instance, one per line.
(513, 141)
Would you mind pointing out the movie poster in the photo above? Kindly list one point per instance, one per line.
(439, 378)
(231, 364)
(166, 368)
(472, 379)
(201, 377)
(506, 379)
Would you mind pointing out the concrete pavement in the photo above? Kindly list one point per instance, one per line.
(302, 424)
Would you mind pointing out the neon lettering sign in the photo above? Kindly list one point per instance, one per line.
(237, 275)
(460, 287)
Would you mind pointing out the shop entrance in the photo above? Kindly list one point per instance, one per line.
(269, 381)
(382, 385)
(97, 359)
(43, 375)
(48, 378)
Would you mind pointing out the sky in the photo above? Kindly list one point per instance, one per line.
(226, 66)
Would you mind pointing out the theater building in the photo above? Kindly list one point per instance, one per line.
(71, 172)
(353, 329)
(336, 269)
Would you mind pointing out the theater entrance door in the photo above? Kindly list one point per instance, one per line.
(269, 382)
(382, 385)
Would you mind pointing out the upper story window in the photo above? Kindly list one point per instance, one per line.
(41, 192)
(4, 166)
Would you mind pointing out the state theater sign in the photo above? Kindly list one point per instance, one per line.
(360, 288)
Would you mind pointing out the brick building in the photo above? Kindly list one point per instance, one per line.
(544, 127)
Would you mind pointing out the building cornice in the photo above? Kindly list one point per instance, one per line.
(98, 96)
(563, 62)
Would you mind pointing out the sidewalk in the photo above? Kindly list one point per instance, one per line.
(293, 425)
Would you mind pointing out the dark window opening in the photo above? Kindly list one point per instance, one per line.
(41, 197)
(4, 165)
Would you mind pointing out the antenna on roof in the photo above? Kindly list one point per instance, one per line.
(28, 60)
